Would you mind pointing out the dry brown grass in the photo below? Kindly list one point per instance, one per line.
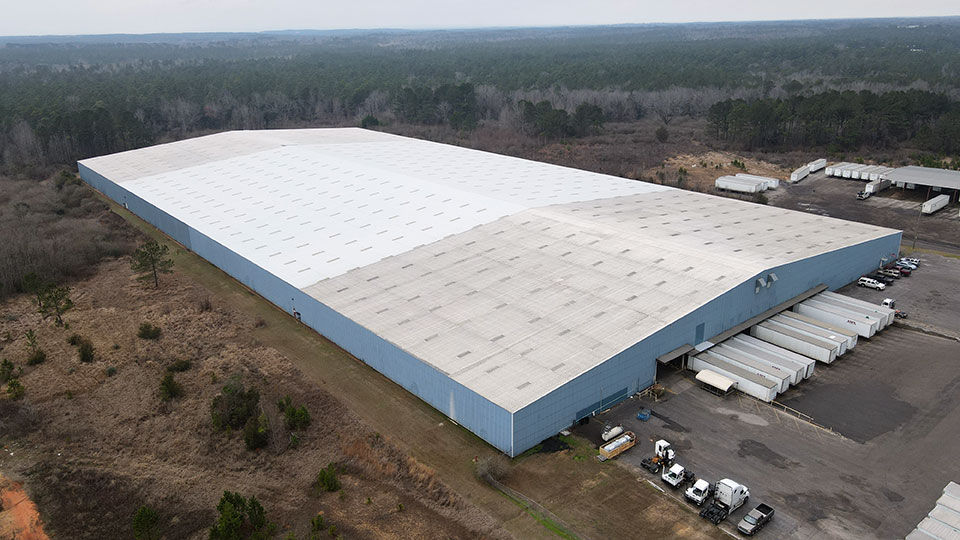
(58, 234)
(91, 447)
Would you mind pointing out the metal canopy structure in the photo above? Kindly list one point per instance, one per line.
(514, 296)
(716, 380)
(926, 176)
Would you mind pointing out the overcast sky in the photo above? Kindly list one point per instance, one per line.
(33, 17)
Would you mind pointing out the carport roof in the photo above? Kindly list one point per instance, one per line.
(926, 176)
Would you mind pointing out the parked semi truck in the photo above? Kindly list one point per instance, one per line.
(727, 497)
(663, 456)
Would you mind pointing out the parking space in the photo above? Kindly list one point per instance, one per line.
(930, 295)
(889, 411)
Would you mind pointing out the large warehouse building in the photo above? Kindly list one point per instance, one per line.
(514, 296)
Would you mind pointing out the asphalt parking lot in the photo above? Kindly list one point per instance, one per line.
(880, 444)
(930, 296)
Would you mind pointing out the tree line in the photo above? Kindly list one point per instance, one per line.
(66, 100)
(840, 121)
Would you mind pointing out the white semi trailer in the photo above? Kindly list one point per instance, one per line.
(818, 349)
(845, 332)
(771, 183)
(749, 341)
(873, 310)
(832, 314)
(935, 204)
(800, 173)
(741, 185)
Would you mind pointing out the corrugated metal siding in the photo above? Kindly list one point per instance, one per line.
(488, 421)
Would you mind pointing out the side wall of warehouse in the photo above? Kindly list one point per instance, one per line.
(491, 422)
(635, 368)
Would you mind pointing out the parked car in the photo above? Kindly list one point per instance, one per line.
(905, 271)
(911, 260)
(889, 272)
(871, 283)
(886, 280)
(904, 264)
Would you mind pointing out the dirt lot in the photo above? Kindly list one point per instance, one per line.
(92, 447)
(704, 168)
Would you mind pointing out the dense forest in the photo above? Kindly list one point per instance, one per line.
(835, 84)
(841, 121)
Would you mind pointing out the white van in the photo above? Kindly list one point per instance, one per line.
(871, 283)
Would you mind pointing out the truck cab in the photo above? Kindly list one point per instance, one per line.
(674, 476)
(727, 497)
(699, 492)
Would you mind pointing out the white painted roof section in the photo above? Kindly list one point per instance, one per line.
(518, 307)
(307, 205)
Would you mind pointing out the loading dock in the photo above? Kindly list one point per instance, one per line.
(747, 382)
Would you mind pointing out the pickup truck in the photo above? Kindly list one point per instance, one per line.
(755, 519)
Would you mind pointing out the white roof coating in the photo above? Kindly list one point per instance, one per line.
(513, 277)
(307, 205)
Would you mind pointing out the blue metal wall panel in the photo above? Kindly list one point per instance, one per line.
(489, 421)
(636, 366)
